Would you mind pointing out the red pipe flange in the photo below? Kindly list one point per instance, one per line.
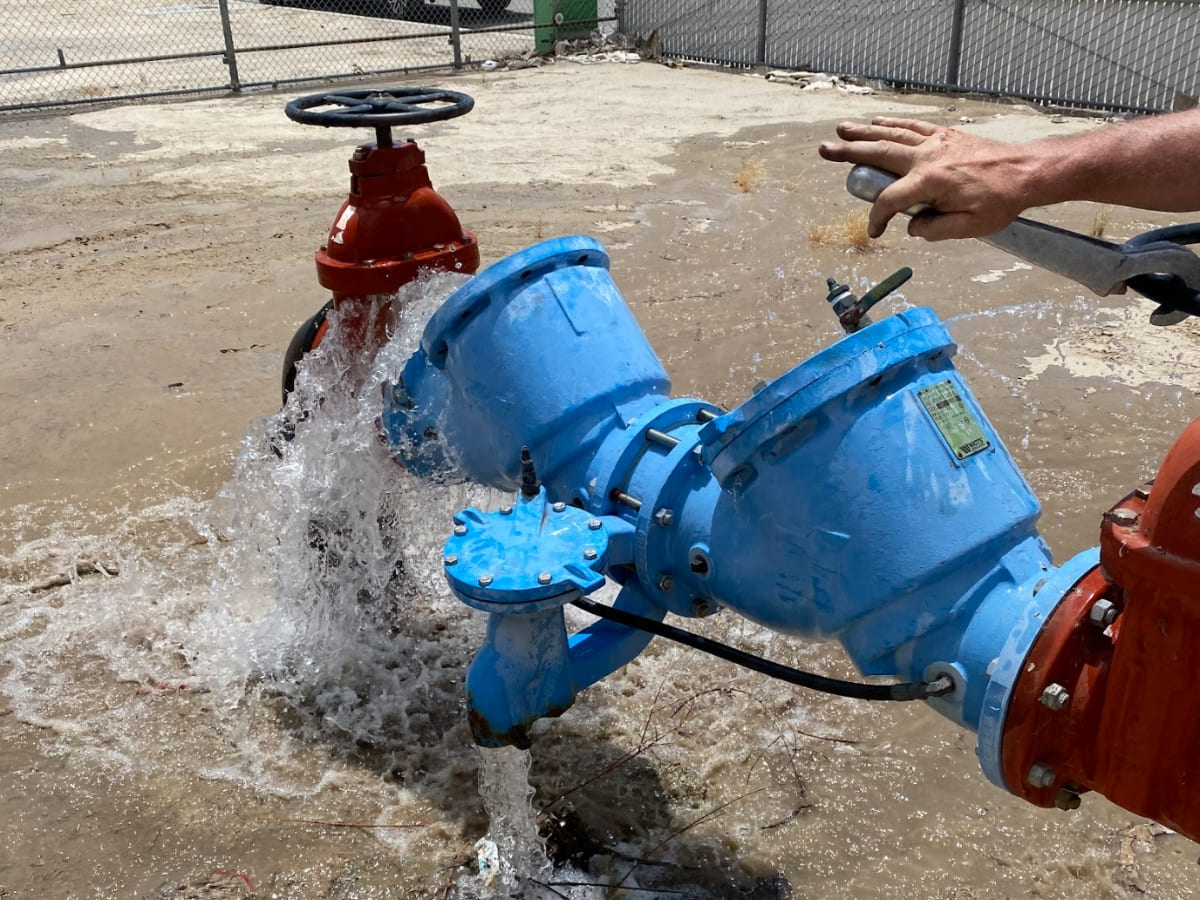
(1108, 700)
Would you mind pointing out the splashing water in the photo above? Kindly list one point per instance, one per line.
(327, 621)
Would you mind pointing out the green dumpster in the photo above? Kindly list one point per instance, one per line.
(560, 20)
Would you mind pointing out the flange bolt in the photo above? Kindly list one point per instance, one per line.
(1066, 799)
(1124, 517)
(544, 578)
(1103, 613)
(451, 560)
(1041, 775)
(664, 517)
(1055, 697)
(485, 580)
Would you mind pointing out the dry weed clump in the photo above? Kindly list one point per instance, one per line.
(849, 232)
(750, 175)
(1100, 222)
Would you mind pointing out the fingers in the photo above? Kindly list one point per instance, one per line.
(886, 155)
(902, 194)
(943, 226)
(918, 126)
(881, 130)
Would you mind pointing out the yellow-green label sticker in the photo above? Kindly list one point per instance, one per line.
(957, 424)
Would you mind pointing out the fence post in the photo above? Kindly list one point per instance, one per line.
(760, 57)
(230, 53)
(955, 54)
(455, 34)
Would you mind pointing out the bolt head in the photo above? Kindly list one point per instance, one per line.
(506, 510)
(559, 506)
(665, 583)
(485, 580)
(664, 517)
(1055, 697)
(460, 530)
(1103, 613)
(702, 607)
(451, 560)
(1041, 775)
(589, 552)
(1123, 517)
(594, 524)
(544, 578)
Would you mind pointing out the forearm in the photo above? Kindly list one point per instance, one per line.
(1150, 164)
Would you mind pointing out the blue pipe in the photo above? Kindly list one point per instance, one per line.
(863, 495)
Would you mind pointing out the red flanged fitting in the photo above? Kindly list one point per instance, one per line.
(392, 225)
(1108, 700)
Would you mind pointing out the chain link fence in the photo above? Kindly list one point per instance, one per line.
(1137, 55)
(69, 52)
(1117, 54)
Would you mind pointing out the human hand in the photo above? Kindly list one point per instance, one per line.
(977, 186)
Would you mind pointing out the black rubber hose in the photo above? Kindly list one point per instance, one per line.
(857, 690)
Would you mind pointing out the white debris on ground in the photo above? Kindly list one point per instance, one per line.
(820, 81)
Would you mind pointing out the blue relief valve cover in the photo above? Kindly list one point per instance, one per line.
(525, 558)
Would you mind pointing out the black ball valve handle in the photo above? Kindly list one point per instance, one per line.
(380, 109)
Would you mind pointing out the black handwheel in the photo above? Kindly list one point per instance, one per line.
(306, 339)
(381, 108)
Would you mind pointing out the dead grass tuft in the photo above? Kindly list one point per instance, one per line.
(750, 175)
(1099, 222)
(849, 232)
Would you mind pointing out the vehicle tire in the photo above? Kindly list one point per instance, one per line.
(493, 7)
(406, 9)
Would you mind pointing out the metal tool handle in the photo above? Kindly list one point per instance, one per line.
(1165, 272)
(867, 183)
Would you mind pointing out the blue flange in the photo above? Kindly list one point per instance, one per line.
(528, 557)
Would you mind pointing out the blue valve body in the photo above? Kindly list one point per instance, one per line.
(863, 495)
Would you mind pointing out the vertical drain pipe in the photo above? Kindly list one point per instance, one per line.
(235, 84)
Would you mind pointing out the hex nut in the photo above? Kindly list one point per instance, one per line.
(594, 524)
(559, 506)
(665, 583)
(451, 560)
(1124, 517)
(460, 530)
(1103, 613)
(1041, 775)
(589, 552)
(1055, 697)
(544, 578)
(1066, 799)
(664, 517)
